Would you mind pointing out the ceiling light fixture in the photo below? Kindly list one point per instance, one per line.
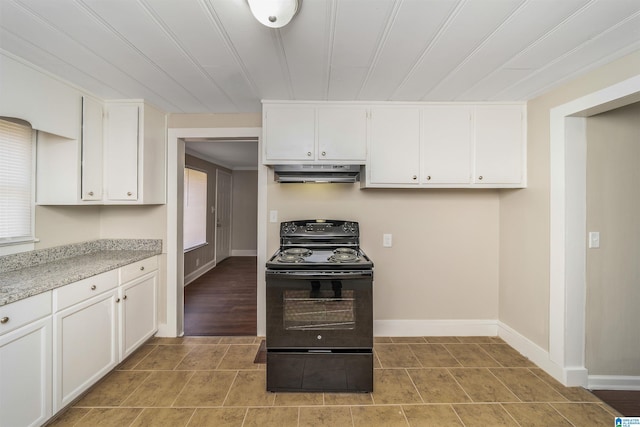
(274, 13)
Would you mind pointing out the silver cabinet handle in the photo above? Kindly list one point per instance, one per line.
(428, 177)
(324, 153)
(308, 153)
(4, 320)
(93, 287)
(414, 177)
(480, 178)
(142, 268)
(117, 300)
(129, 193)
(90, 193)
(124, 297)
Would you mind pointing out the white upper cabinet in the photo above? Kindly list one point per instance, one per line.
(92, 135)
(394, 148)
(342, 133)
(314, 133)
(122, 142)
(499, 145)
(446, 145)
(120, 158)
(289, 133)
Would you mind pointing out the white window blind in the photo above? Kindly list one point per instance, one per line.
(15, 181)
(195, 208)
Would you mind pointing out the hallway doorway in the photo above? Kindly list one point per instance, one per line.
(223, 300)
(220, 292)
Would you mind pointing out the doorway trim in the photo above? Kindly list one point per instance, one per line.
(567, 255)
(173, 325)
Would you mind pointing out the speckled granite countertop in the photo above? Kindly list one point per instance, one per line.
(31, 273)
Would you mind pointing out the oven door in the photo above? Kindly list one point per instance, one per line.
(319, 310)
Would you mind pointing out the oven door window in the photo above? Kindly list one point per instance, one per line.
(319, 308)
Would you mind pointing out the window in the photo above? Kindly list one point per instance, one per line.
(195, 209)
(16, 186)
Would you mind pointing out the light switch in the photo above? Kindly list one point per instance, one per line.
(594, 239)
(387, 240)
(273, 216)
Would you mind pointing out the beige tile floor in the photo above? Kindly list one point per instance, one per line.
(423, 381)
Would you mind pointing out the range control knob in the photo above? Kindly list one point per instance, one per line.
(289, 227)
(319, 337)
(349, 227)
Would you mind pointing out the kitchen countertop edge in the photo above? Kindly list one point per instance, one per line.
(31, 280)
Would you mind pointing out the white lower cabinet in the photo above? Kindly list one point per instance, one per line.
(25, 362)
(98, 322)
(86, 346)
(138, 317)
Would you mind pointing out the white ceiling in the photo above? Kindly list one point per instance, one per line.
(232, 154)
(212, 56)
(194, 56)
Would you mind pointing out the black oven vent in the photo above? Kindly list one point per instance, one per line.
(316, 173)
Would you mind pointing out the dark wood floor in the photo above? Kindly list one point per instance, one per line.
(223, 300)
(625, 402)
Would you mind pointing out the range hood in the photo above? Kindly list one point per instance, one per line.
(316, 173)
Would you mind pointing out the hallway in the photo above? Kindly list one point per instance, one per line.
(222, 302)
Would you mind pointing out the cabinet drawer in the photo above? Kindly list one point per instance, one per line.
(137, 269)
(22, 312)
(79, 291)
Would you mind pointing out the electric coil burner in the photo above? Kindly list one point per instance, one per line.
(319, 309)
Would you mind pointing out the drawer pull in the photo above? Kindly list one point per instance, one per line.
(93, 287)
(124, 297)
(4, 320)
(117, 300)
(142, 268)
(129, 193)
(480, 178)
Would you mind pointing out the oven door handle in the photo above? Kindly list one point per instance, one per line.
(338, 275)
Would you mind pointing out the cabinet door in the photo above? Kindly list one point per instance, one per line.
(121, 152)
(85, 347)
(394, 146)
(289, 133)
(342, 133)
(137, 313)
(92, 154)
(499, 146)
(446, 145)
(25, 375)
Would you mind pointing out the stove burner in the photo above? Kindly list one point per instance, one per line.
(300, 252)
(343, 257)
(289, 258)
(345, 251)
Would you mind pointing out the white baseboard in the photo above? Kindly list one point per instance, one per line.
(433, 328)
(244, 252)
(199, 272)
(570, 377)
(613, 382)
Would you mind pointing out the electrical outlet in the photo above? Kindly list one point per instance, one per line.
(273, 216)
(197, 262)
(594, 239)
(387, 240)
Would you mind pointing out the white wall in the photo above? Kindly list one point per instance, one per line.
(613, 270)
(444, 261)
(526, 226)
(244, 234)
